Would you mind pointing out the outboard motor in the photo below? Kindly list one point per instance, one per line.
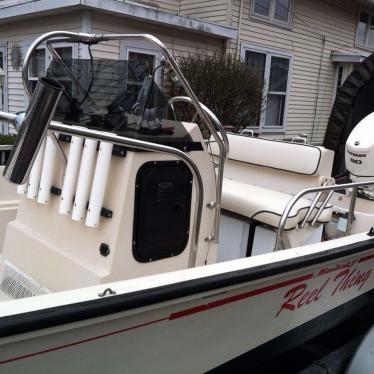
(33, 130)
(359, 153)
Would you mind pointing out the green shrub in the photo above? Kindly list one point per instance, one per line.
(225, 85)
(7, 139)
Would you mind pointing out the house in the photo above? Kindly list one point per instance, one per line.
(21, 22)
(302, 49)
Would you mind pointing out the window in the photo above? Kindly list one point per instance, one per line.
(274, 71)
(339, 78)
(41, 59)
(140, 65)
(37, 64)
(365, 30)
(142, 55)
(143, 59)
(274, 11)
(342, 71)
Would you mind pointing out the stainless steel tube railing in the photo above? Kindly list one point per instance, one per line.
(279, 234)
(67, 36)
(223, 144)
(312, 207)
(8, 117)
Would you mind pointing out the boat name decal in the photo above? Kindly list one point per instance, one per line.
(301, 295)
(337, 267)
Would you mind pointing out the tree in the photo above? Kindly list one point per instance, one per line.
(225, 85)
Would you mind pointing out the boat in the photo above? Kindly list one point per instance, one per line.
(140, 245)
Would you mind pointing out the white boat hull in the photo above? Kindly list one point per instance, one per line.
(192, 320)
(8, 205)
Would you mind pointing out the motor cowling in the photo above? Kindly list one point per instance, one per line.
(359, 151)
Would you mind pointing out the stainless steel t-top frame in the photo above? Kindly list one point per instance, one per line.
(206, 116)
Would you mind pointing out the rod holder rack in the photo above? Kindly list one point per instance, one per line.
(152, 147)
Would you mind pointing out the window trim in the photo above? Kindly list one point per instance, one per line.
(337, 66)
(371, 16)
(5, 49)
(144, 47)
(48, 56)
(26, 45)
(270, 19)
(4, 126)
(272, 53)
(348, 67)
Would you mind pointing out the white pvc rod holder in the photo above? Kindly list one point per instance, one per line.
(36, 171)
(99, 184)
(71, 175)
(48, 168)
(84, 179)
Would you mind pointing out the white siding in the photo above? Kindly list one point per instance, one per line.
(170, 6)
(212, 11)
(318, 28)
(179, 42)
(23, 33)
(108, 49)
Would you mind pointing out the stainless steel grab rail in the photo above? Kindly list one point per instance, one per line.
(223, 144)
(65, 36)
(279, 234)
(9, 117)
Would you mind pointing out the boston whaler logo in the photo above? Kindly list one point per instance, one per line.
(347, 276)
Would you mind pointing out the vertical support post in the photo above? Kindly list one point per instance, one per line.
(351, 211)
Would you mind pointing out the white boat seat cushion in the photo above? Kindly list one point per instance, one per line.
(302, 159)
(266, 205)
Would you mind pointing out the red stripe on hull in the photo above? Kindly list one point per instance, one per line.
(366, 258)
(231, 299)
(183, 313)
(81, 341)
(197, 309)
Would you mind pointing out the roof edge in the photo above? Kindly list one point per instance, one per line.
(354, 57)
(116, 7)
